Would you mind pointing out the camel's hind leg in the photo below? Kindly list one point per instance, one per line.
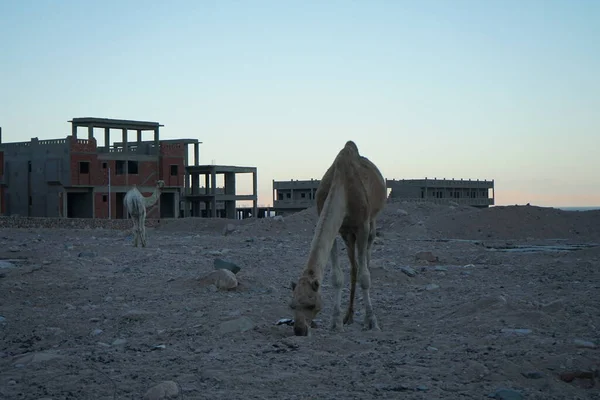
(350, 241)
(362, 244)
(372, 234)
(142, 230)
(135, 231)
(337, 278)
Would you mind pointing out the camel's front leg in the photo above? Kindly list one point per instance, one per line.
(364, 276)
(337, 278)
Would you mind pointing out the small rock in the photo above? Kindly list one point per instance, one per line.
(553, 306)
(422, 388)
(69, 247)
(512, 331)
(229, 228)
(164, 390)
(119, 342)
(278, 218)
(96, 332)
(6, 265)
(400, 211)
(506, 394)
(14, 249)
(2, 319)
(532, 374)
(426, 256)
(242, 324)
(408, 271)
(469, 266)
(105, 261)
(222, 264)
(46, 262)
(432, 286)
(584, 343)
(136, 315)
(440, 268)
(87, 254)
(32, 358)
(431, 348)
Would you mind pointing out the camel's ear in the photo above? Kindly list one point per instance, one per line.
(315, 285)
(293, 285)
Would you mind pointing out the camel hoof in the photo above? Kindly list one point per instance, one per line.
(371, 325)
(348, 319)
(337, 327)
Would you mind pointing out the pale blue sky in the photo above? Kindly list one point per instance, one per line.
(506, 90)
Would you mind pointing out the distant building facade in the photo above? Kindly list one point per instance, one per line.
(295, 195)
(474, 193)
(73, 177)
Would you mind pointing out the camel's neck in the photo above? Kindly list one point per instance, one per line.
(152, 199)
(328, 226)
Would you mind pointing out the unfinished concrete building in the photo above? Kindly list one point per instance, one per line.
(293, 195)
(74, 177)
(469, 192)
(205, 201)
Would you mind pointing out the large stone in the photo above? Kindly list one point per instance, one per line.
(408, 271)
(32, 358)
(164, 390)
(242, 324)
(223, 264)
(223, 279)
(507, 394)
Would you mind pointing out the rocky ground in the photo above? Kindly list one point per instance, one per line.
(502, 302)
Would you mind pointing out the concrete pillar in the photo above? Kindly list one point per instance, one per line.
(0, 135)
(139, 137)
(230, 183)
(195, 189)
(206, 184)
(90, 132)
(230, 190)
(213, 181)
(74, 130)
(107, 139)
(255, 194)
(124, 140)
(156, 141)
(176, 205)
(196, 153)
(213, 191)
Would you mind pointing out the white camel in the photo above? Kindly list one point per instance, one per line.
(135, 205)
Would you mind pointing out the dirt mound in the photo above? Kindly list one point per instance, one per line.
(516, 222)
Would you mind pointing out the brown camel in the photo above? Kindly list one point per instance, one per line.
(349, 198)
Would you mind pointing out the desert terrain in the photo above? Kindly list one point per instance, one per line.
(473, 303)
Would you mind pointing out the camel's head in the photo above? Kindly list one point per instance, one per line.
(306, 303)
(160, 184)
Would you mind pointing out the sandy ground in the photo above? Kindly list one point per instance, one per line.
(84, 315)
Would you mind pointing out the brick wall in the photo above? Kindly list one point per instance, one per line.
(70, 223)
(84, 150)
(172, 154)
(147, 174)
